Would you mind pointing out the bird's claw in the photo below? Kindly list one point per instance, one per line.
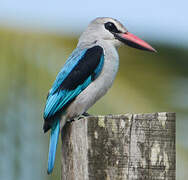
(71, 120)
(86, 114)
(81, 117)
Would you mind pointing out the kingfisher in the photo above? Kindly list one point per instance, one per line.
(86, 76)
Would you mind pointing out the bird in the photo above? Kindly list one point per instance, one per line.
(86, 76)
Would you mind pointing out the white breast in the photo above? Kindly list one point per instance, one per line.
(100, 86)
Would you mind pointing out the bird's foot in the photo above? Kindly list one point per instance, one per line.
(81, 117)
(86, 114)
(71, 120)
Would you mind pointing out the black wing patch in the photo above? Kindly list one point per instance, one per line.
(85, 67)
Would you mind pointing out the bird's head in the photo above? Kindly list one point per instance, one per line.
(111, 30)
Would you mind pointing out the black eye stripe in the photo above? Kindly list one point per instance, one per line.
(111, 27)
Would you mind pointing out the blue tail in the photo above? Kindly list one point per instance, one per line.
(54, 136)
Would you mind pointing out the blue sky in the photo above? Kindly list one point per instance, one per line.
(161, 20)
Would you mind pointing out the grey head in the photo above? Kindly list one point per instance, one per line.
(102, 29)
(105, 29)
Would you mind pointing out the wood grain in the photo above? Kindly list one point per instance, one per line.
(120, 147)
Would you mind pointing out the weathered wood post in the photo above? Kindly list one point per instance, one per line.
(120, 147)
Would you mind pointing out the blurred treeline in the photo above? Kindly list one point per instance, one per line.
(29, 63)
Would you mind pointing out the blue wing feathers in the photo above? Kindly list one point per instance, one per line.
(54, 136)
(59, 97)
(58, 100)
(71, 62)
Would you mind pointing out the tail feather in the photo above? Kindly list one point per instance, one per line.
(54, 136)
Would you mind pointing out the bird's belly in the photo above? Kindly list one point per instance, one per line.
(95, 90)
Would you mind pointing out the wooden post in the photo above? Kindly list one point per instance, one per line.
(120, 147)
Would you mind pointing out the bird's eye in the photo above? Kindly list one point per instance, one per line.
(111, 27)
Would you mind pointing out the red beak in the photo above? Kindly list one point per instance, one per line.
(134, 41)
